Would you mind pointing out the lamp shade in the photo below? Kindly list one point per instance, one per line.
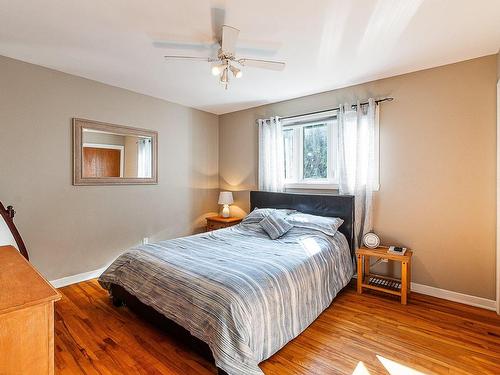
(225, 197)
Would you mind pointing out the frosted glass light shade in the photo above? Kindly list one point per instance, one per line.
(226, 197)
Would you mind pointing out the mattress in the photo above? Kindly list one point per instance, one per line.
(242, 293)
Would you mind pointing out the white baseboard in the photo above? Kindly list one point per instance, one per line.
(466, 299)
(68, 280)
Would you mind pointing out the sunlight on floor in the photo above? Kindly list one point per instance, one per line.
(395, 368)
(360, 369)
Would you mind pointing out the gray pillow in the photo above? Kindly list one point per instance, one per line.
(275, 226)
(261, 213)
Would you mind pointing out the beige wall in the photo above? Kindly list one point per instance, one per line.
(437, 170)
(72, 229)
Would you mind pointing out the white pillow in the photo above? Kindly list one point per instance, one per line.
(327, 225)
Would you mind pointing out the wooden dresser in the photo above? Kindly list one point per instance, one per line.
(26, 317)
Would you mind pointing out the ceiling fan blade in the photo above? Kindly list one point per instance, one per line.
(263, 64)
(218, 16)
(229, 38)
(257, 50)
(185, 45)
(187, 58)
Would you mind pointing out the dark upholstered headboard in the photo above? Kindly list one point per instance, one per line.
(341, 206)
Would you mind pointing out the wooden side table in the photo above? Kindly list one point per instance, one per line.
(219, 222)
(399, 287)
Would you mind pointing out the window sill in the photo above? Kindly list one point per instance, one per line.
(318, 186)
(311, 185)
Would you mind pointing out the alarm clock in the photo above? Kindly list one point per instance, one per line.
(371, 240)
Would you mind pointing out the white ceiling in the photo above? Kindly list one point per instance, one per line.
(327, 44)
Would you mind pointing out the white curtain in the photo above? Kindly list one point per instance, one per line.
(357, 164)
(144, 158)
(271, 157)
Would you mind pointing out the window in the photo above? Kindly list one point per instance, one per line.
(322, 150)
(308, 154)
(315, 151)
(310, 148)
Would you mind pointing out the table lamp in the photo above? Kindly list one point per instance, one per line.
(225, 198)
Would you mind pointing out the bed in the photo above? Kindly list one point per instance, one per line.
(235, 290)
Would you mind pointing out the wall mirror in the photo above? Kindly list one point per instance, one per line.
(107, 154)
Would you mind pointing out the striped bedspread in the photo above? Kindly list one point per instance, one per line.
(242, 293)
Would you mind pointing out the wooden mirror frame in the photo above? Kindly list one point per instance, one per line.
(8, 216)
(78, 179)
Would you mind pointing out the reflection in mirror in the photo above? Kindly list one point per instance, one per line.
(113, 154)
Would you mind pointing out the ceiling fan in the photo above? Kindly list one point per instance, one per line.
(226, 62)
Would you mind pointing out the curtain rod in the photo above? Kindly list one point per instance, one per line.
(389, 99)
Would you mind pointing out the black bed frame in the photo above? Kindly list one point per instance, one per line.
(330, 205)
(341, 206)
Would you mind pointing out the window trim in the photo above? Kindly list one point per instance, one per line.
(326, 185)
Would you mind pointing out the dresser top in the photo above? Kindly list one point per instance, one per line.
(20, 283)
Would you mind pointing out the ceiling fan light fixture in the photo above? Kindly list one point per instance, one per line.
(236, 72)
(217, 69)
(224, 78)
(223, 62)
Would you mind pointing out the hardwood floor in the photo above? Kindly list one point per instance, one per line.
(356, 334)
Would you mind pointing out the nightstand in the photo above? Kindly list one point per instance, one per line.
(399, 287)
(219, 222)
